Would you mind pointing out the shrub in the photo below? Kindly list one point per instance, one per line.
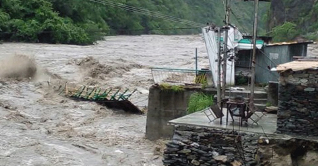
(174, 88)
(312, 36)
(199, 101)
(241, 79)
(177, 88)
(268, 104)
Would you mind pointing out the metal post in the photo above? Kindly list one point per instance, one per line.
(224, 64)
(227, 18)
(219, 68)
(196, 61)
(251, 104)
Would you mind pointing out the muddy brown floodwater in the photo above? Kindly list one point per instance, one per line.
(40, 127)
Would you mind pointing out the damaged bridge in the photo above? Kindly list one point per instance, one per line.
(110, 97)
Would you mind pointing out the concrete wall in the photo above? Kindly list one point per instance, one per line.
(163, 106)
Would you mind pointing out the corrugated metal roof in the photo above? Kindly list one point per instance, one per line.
(288, 43)
(297, 66)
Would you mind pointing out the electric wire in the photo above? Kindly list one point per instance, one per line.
(240, 24)
(142, 11)
(117, 29)
(146, 12)
(267, 70)
(268, 57)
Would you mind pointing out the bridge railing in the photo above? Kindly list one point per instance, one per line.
(179, 76)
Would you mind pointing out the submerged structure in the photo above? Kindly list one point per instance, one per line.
(109, 97)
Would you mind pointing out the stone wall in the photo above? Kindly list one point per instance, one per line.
(289, 151)
(298, 103)
(194, 146)
(197, 146)
(272, 93)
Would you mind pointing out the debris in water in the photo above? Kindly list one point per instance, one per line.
(111, 98)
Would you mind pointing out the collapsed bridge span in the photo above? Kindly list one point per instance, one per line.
(115, 98)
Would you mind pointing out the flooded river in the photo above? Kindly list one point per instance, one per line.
(40, 127)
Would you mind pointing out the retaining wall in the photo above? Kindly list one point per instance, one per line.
(298, 103)
(196, 146)
(202, 146)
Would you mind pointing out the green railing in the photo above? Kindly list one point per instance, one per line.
(95, 93)
(179, 76)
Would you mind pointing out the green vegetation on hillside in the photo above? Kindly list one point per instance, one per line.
(284, 32)
(38, 21)
(288, 19)
(86, 21)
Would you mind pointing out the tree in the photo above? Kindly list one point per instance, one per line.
(285, 32)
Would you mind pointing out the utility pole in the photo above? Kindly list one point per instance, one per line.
(219, 100)
(251, 104)
(226, 33)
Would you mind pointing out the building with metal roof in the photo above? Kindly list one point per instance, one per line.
(270, 56)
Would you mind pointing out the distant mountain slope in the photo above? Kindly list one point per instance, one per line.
(301, 16)
(242, 13)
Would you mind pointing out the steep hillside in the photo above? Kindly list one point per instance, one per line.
(242, 13)
(298, 16)
(85, 21)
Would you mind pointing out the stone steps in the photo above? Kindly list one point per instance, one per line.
(260, 97)
(256, 100)
(246, 94)
(260, 106)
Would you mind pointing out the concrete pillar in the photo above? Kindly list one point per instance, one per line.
(163, 106)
